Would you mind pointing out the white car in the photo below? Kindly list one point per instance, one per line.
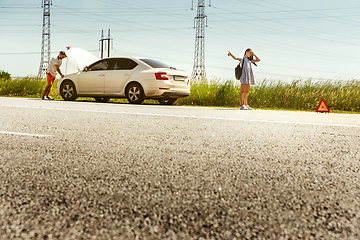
(124, 77)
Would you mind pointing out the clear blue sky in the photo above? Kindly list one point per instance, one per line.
(294, 39)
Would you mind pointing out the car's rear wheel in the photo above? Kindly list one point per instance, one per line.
(102, 99)
(68, 91)
(169, 101)
(135, 93)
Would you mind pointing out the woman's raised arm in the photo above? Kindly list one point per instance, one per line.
(235, 58)
(257, 59)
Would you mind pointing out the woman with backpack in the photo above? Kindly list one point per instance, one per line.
(247, 76)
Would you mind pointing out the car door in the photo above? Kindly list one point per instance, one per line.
(93, 80)
(115, 79)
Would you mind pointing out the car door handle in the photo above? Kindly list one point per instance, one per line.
(101, 75)
(127, 75)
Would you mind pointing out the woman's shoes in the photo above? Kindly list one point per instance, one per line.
(245, 107)
(249, 108)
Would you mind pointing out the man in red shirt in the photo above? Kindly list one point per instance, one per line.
(54, 66)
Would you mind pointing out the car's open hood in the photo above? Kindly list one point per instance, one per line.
(80, 58)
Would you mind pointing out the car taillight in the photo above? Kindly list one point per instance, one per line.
(161, 76)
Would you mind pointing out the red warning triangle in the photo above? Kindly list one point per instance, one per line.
(322, 107)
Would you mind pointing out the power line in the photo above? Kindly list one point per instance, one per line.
(100, 17)
(297, 11)
(289, 18)
(20, 53)
(277, 4)
(217, 30)
(292, 26)
(281, 46)
(306, 52)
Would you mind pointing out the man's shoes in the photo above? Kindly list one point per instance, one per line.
(47, 98)
(244, 107)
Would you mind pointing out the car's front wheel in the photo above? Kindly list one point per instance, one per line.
(135, 93)
(169, 101)
(68, 91)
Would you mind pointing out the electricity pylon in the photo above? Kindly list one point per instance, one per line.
(199, 55)
(101, 43)
(45, 44)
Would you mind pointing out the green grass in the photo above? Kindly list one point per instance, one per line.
(28, 86)
(304, 95)
(296, 95)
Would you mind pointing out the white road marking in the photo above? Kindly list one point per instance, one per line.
(24, 134)
(185, 116)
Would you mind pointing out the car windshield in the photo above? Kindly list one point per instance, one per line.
(155, 64)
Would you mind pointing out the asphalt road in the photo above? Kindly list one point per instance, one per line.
(302, 152)
(55, 112)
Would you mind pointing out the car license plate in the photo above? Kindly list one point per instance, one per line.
(179, 78)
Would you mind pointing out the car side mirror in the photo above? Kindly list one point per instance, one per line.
(86, 69)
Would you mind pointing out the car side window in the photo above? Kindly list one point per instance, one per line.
(124, 64)
(100, 66)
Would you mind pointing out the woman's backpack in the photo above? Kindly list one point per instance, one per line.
(238, 70)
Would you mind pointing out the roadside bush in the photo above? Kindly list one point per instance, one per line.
(4, 75)
(295, 95)
(212, 93)
(307, 94)
(267, 94)
(27, 86)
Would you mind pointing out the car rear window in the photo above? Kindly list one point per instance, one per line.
(154, 63)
